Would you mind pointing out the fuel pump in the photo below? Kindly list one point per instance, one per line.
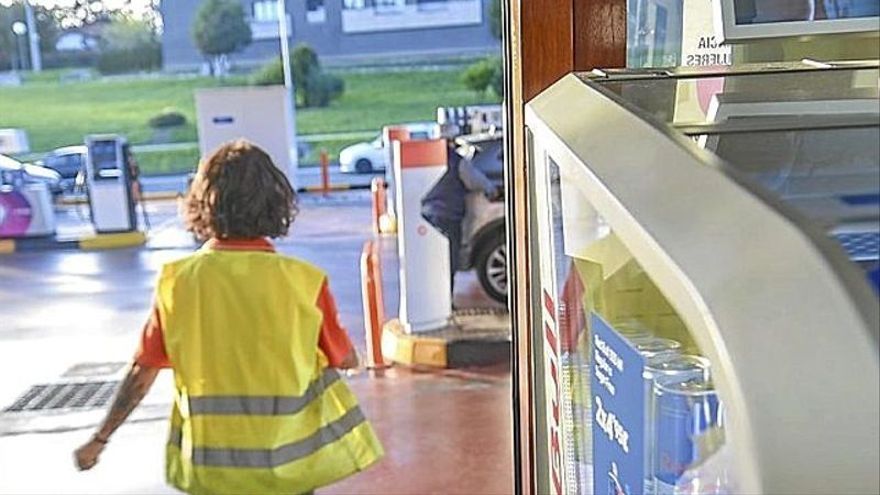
(109, 180)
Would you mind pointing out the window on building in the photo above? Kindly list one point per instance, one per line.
(354, 4)
(315, 12)
(390, 6)
(265, 11)
(432, 5)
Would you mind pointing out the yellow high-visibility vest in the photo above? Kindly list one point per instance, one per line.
(257, 409)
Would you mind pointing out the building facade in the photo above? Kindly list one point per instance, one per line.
(342, 31)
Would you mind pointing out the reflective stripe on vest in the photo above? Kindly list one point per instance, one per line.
(269, 458)
(262, 405)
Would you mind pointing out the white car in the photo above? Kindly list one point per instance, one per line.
(15, 173)
(364, 158)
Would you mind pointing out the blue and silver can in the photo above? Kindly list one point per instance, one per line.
(632, 330)
(654, 346)
(683, 411)
(668, 367)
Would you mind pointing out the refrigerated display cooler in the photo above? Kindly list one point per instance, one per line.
(706, 244)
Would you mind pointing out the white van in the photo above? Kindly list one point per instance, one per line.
(368, 157)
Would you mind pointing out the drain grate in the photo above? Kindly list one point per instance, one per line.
(56, 396)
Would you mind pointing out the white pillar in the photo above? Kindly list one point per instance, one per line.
(425, 299)
(390, 134)
(284, 40)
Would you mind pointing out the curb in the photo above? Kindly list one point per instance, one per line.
(92, 243)
(153, 196)
(410, 349)
(334, 187)
(449, 347)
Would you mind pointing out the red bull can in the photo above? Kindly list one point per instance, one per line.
(668, 367)
(654, 346)
(632, 330)
(683, 411)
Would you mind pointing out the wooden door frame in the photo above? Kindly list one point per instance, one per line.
(542, 41)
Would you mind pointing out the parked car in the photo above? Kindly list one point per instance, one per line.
(14, 172)
(371, 156)
(484, 238)
(67, 161)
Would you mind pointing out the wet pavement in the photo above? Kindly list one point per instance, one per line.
(444, 431)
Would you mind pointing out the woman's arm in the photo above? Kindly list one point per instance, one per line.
(133, 389)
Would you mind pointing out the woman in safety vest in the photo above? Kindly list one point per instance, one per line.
(254, 339)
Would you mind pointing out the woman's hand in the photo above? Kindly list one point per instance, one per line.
(87, 456)
(134, 387)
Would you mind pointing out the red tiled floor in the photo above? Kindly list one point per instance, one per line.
(444, 432)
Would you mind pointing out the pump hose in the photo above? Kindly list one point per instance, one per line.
(143, 206)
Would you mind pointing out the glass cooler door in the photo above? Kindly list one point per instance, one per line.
(706, 242)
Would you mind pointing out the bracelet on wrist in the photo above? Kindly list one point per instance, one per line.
(99, 439)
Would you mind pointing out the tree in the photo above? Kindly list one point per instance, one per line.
(478, 76)
(314, 87)
(303, 63)
(77, 13)
(220, 29)
(497, 82)
(495, 18)
(47, 28)
(127, 33)
(81, 13)
(129, 45)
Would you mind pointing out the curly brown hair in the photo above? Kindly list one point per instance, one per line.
(239, 193)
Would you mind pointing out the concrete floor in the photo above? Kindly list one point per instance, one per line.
(444, 432)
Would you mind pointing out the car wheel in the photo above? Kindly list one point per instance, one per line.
(491, 266)
(363, 166)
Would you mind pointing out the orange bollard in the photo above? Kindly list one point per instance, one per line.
(374, 306)
(377, 188)
(325, 172)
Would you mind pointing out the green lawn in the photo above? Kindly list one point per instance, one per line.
(56, 114)
(372, 100)
(333, 147)
(168, 162)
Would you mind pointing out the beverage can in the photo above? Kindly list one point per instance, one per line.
(632, 330)
(669, 367)
(655, 345)
(683, 411)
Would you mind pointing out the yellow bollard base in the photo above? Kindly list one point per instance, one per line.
(477, 337)
(388, 224)
(411, 350)
(114, 241)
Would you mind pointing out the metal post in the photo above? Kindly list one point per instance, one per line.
(377, 188)
(374, 307)
(22, 53)
(283, 36)
(33, 37)
(19, 29)
(284, 40)
(325, 172)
